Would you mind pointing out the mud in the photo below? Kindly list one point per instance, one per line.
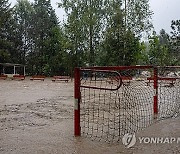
(36, 117)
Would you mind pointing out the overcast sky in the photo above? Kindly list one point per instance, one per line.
(164, 12)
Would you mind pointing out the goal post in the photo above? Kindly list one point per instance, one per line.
(155, 106)
(112, 101)
(77, 98)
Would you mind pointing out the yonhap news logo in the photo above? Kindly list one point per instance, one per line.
(129, 140)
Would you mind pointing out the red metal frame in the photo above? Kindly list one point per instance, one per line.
(119, 79)
(115, 68)
(77, 95)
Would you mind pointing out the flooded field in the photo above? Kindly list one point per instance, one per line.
(36, 117)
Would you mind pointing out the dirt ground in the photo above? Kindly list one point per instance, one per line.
(36, 117)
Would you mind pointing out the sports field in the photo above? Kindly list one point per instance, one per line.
(36, 117)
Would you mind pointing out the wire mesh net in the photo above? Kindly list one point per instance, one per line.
(169, 92)
(114, 103)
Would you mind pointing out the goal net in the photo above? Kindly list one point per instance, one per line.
(113, 101)
(169, 91)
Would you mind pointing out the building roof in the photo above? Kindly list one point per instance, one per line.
(11, 64)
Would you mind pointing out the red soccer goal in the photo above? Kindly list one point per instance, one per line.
(113, 101)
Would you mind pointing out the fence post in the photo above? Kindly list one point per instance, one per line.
(156, 92)
(77, 97)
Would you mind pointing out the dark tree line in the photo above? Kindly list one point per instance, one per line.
(103, 32)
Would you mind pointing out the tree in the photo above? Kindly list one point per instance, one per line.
(74, 33)
(39, 37)
(137, 16)
(113, 45)
(164, 38)
(23, 11)
(158, 50)
(44, 21)
(121, 46)
(5, 40)
(175, 41)
(55, 55)
(83, 28)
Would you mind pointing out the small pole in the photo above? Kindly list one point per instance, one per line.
(3, 70)
(14, 69)
(24, 70)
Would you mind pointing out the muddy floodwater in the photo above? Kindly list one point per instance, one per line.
(36, 117)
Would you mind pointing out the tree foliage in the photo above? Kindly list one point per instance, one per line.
(120, 45)
(5, 31)
(175, 41)
(138, 16)
(83, 28)
(102, 32)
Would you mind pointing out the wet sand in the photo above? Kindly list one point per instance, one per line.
(36, 117)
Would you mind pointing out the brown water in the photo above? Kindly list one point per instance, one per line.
(36, 117)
